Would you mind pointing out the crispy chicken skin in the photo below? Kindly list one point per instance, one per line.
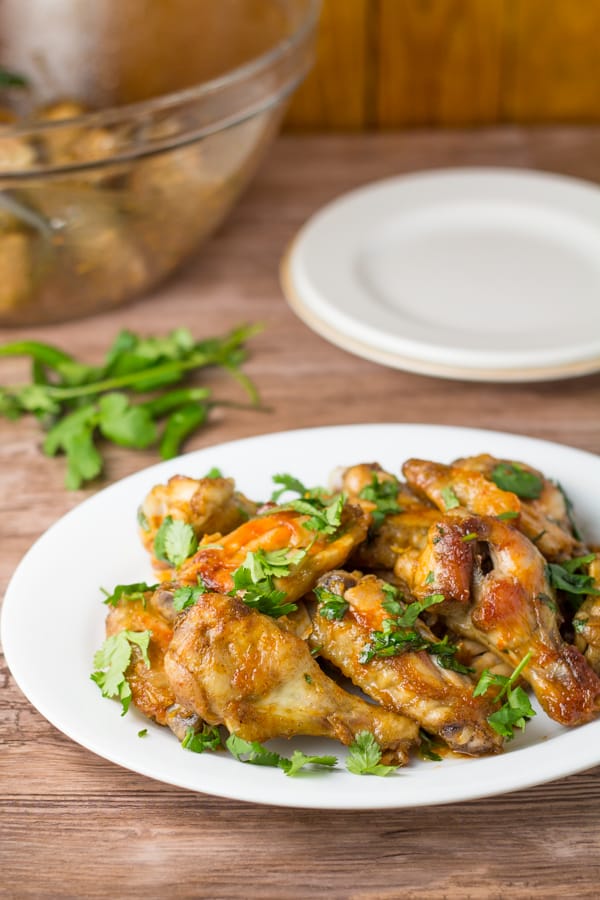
(412, 683)
(151, 691)
(497, 592)
(209, 505)
(236, 667)
(544, 520)
(278, 530)
(586, 621)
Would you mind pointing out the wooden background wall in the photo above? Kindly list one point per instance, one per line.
(394, 63)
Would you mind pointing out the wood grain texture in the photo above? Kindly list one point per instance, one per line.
(392, 63)
(75, 826)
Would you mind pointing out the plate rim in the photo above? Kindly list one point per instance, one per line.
(335, 334)
(551, 772)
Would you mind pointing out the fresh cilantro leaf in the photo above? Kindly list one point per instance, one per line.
(175, 541)
(199, 741)
(331, 606)
(445, 653)
(143, 733)
(132, 592)
(449, 497)
(262, 594)
(289, 484)
(214, 473)
(73, 434)
(364, 756)
(323, 516)
(112, 661)
(408, 616)
(253, 751)
(273, 562)
(516, 710)
(566, 577)
(257, 755)
(514, 713)
(188, 595)
(142, 519)
(125, 424)
(384, 494)
(513, 477)
(292, 766)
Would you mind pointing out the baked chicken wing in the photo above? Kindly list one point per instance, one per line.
(238, 668)
(151, 691)
(497, 592)
(412, 682)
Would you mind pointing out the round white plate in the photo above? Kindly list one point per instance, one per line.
(481, 274)
(53, 621)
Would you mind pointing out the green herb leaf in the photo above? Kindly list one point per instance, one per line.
(426, 747)
(364, 756)
(175, 541)
(214, 473)
(131, 592)
(257, 755)
(112, 660)
(289, 484)
(408, 616)
(513, 477)
(324, 516)
(506, 516)
(576, 585)
(449, 497)
(299, 760)
(516, 710)
(199, 741)
(125, 424)
(384, 494)
(143, 733)
(331, 606)
(188, 595)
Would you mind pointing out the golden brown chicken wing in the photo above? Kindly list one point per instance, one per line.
(412, 682)
(497, 591)
(151, 691)
(237, 667)
(209, 505)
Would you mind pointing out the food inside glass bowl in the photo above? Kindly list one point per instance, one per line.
(132, 133)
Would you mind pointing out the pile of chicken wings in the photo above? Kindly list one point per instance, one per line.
(382, 620)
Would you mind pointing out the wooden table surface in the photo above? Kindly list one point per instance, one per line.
(73, 825)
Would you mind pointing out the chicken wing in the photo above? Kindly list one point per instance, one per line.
(411, 683)
(281, 529)
(236, 667)
(151, 692)
(497, 592)
(545, 519)
(209, 505)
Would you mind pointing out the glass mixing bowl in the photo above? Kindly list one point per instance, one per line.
(98, 206)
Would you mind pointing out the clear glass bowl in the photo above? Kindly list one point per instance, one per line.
(97, 207)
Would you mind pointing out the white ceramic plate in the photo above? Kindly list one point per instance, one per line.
(481, 274)
(53, 621)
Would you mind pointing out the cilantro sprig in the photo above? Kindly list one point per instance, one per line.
(331, 606)
(129, 592)
(112, 660)
(364, 756)
(199, 741)
(568, 577)
(79, 404)
(175, 541)
(384, 494)
(188, 595)
(254, 580)
(256, 754)
(513, 477)
(516, 710)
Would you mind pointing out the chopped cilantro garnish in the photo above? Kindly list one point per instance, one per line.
(449, 497)
(131, 592)
(384, 494)
(516, 710)
(257, 755)
(112, 660)
(143, 733)
(324, 516)
(513, 477)
(214, 473)
(188, 595)
(289, 484)
(175, 541)
(566, 577)
(331, 606)
(364, 755)
(255, 579)
(199, 741)
(506, 516)
(426, 747)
